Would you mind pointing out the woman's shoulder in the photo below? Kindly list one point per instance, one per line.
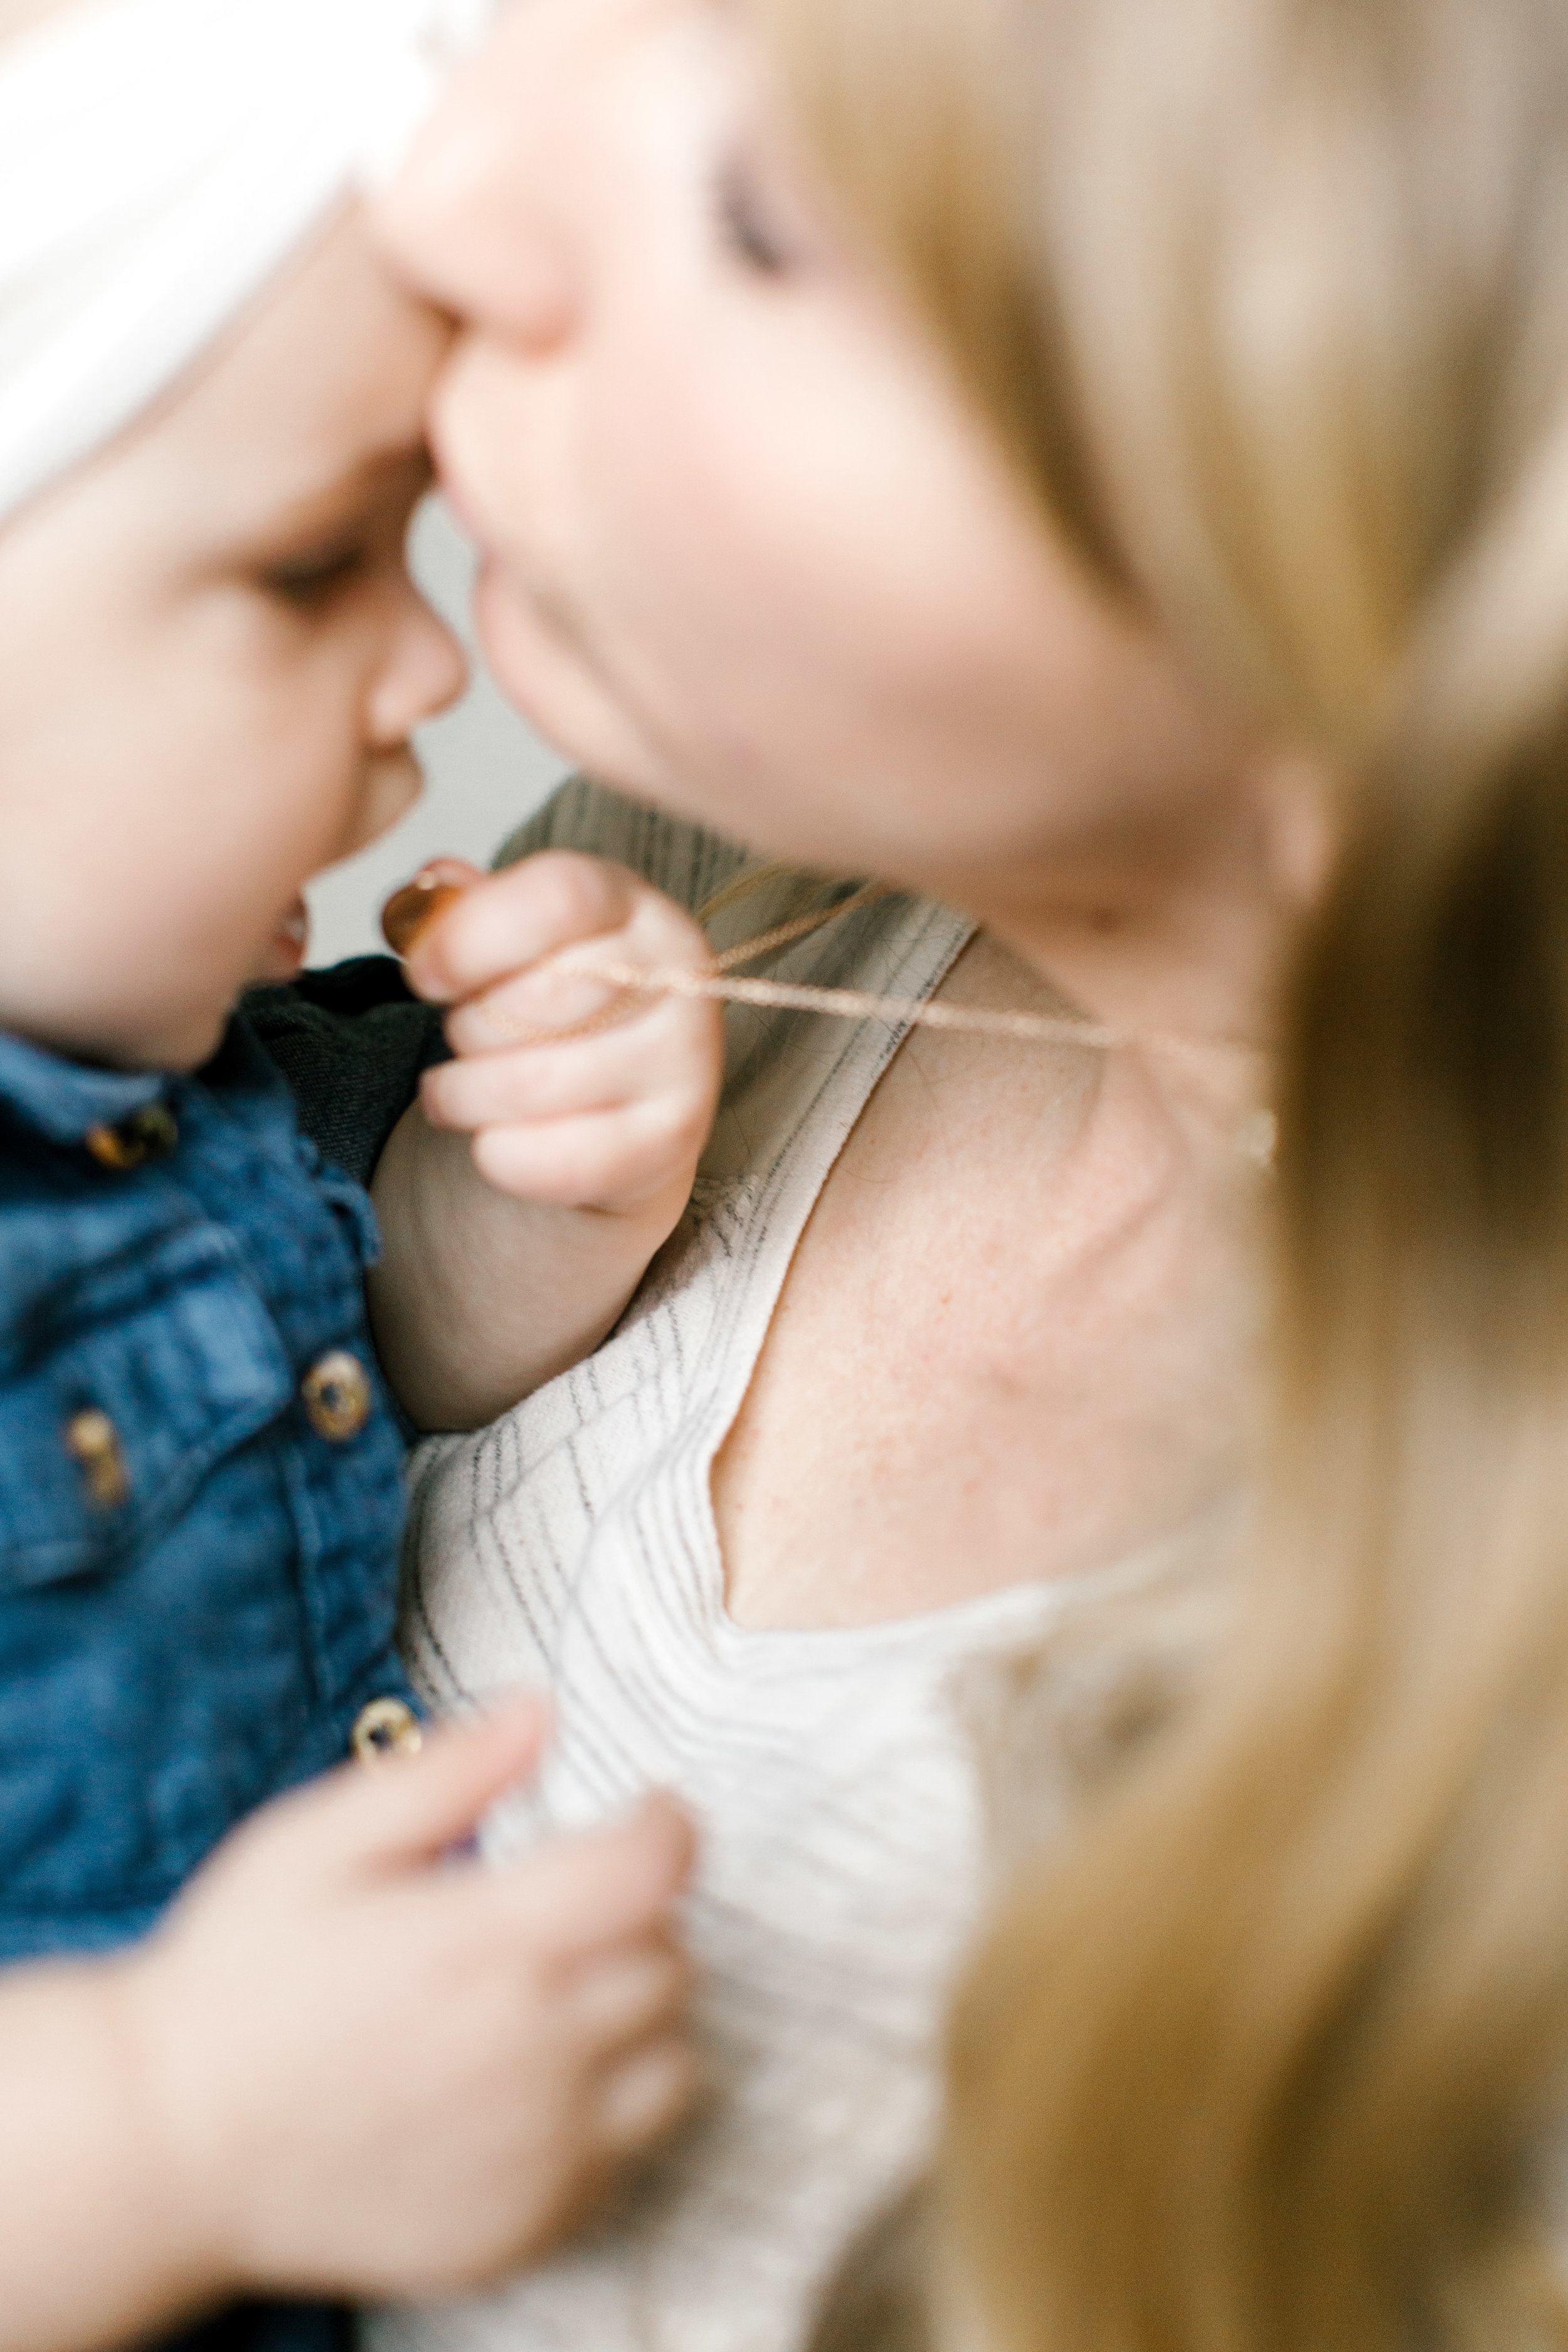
(687, 862)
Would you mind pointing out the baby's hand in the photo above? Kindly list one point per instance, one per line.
(575, 1092)
(376, 2070)
(581, 1103)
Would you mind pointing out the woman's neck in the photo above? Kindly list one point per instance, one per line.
(1189, 936)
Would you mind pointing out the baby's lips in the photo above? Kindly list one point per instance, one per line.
(408, 910)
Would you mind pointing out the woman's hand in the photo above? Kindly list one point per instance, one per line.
(523, 1197)
(349, 2062)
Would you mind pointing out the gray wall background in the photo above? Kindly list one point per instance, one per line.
(484, 770)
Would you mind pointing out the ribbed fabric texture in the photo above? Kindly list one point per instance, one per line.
(573, 1542)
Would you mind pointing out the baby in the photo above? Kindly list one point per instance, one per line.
(347, 2059)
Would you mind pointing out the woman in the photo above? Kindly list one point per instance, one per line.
(1099, 465)
(955, 1339)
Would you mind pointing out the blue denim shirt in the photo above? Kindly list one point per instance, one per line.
(201, 1479)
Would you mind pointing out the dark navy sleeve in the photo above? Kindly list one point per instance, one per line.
(351, 1042)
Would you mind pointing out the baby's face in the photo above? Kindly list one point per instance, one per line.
(211, 659)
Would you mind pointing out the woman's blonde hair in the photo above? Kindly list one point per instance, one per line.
(1268, 300)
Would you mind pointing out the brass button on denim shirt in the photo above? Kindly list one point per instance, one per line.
(197, 1592)
(339, 1399)
(387, 1727)
(147, 1133)
(94, 1442)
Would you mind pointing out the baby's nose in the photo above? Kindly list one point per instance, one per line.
(426, 672)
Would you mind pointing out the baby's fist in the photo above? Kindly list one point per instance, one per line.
(577, 1091)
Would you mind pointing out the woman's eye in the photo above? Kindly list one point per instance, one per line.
(749, 232)
(310, 579)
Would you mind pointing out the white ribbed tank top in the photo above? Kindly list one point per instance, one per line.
(841, 1865)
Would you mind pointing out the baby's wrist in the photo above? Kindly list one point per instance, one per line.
(655, 1201)
(640, 1197)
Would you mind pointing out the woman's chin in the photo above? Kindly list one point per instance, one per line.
(549, 682)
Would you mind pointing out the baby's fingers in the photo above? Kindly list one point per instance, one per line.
(636, 1993)
(643, 2095)
(581, 1895)
(517, 916)
(665, 1058)
(608, 1159)
(562, 1001)
(387, 1818)
(617, 977)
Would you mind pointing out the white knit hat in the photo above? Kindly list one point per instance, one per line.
(159, 159)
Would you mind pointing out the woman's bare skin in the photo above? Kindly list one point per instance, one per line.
(969, 1383)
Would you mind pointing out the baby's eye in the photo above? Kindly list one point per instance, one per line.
(312, 577)
(746, 226)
